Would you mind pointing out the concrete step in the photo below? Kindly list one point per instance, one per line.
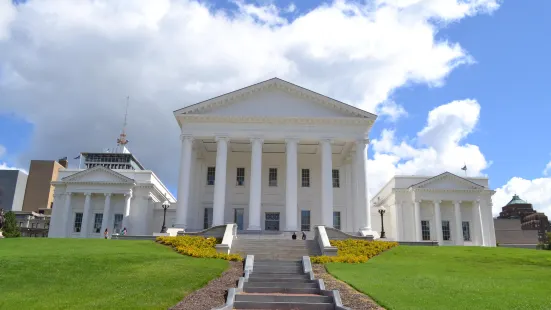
(283, 298)
(281, 284)
(269, 269)
(282, 290)
(272, 276)
(284, 280)
(283, 305)
(272, 263)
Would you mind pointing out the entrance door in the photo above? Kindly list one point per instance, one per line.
(271, 221)
(238, 215)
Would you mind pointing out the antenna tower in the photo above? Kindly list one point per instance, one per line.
(121, 141)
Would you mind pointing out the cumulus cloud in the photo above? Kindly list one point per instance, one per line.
(66, 67)
(438, 147)
(3, 164)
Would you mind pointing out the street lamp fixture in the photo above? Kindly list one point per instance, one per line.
(382, 211)
(165, 206)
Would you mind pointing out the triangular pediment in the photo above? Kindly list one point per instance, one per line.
(275, 98)
(98, 174)
(447, 181)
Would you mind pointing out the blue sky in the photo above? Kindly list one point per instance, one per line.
(507, 79)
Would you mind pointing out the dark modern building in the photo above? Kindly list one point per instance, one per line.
(529, 218)
(12, 189)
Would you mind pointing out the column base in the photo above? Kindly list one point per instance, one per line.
(254, 228)
(367, 232)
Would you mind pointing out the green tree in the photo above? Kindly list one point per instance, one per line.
(10, 229)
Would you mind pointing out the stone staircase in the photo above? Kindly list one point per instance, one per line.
(283, 285)
(276, 249)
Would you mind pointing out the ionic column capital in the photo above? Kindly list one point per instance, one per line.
(128, 194)
(222, 138)
(326, 140)
(256, 140)
(186, 137)
(289, 140)
(87, 194)
(68, 194)
(107, 194)
(457, 202)
(437, 202)
(418, 200)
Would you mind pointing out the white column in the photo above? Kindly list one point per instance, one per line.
(106, 214)
(480, 221)
(492, 229)
(255, 185)
(182, 205)
(458, 223)
(126, 215)
(417, 217)
(220, 181)
(291, 200)
(326, 183)
(363, 209)
(349, 197)
(398, 210)
(85, 216)
(438, 221)
(67, 211)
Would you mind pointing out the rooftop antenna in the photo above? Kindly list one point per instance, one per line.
(121, 141)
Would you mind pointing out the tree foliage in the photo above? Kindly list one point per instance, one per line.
(10, 229)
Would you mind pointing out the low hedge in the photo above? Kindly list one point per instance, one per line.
(354, 251)
(197, 246)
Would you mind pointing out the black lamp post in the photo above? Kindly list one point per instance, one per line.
(382, 211)
(165, 206)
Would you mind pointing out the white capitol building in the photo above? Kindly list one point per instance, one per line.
(270, 157)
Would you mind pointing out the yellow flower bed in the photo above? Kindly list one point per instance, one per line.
(197, 246)
(354, 251)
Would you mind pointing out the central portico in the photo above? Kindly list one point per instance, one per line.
(274, 156)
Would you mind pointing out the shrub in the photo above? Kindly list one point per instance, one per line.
(354, 251)
(197, 246)
(10, 229)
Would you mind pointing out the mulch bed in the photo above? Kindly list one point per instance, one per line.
(214, 293)
(349, 296)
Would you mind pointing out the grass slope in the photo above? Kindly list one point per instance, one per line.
(40, 273)
(453, 278)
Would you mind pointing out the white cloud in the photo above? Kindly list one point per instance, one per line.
(391, 109)
(546, 169)
(439, 147)
(6, 166)
(66, 67)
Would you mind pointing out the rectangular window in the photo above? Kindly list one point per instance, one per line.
(272, 177)
(466, 231)
(305, 177)
(425, 230)
(207, 218)
(117, 223)
(336, 178)
(240, 179)
(305, 220)
(211, 172)
(98, 218)
(78, 222)
(446, 232)
(337, 219)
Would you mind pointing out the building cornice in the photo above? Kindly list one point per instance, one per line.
(204, 118)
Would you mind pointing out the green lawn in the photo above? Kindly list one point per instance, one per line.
(41, 273)
(453, 278)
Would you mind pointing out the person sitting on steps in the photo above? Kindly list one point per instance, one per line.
(294, 237)
(303, 236)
